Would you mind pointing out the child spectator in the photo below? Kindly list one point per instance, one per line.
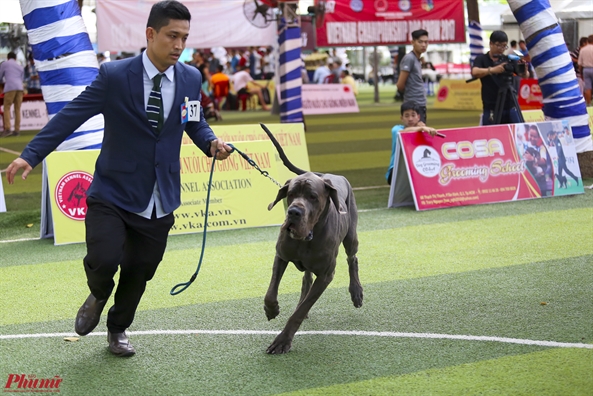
(410, 116)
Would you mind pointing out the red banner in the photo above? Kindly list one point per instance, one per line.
(488, 164)
(530, 95)
(389, 22)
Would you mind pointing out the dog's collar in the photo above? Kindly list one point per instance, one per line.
(309, 237)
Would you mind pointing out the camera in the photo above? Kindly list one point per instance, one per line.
(511, 64)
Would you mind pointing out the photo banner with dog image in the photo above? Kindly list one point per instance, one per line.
(496, 163)
(239, 197)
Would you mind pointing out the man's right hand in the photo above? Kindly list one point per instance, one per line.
(17, 164)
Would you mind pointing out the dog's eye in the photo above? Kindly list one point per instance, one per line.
(313, 197)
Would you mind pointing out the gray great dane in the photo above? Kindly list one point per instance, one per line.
(321, 215)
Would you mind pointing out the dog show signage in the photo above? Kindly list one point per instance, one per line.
(237, 187)
(33, 116)
(458, 95)
(496, 163)
(328, 99)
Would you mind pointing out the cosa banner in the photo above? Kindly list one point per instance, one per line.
(489, 164)
(389, 22)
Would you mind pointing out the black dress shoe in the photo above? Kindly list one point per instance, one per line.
(119, 344)
(88, 315)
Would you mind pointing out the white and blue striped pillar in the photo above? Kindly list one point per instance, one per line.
(289, 69)
(476, 43)
(65, 60)
(560, 89)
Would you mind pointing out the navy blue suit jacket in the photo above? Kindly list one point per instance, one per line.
(132, 156)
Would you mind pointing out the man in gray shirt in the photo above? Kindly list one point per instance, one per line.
(410, 76)
(13, 74)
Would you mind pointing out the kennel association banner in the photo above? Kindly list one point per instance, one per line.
(390, 22)
(238, 199)
(489, 164)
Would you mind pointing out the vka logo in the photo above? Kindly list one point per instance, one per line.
(30, 383)
(70, 194)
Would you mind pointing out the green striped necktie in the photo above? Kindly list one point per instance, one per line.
(154, 110)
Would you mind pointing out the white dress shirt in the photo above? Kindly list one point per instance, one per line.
(167, 95)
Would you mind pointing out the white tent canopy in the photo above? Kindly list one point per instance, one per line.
(11, 12)
(564, 9)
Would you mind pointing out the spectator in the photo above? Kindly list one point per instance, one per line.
(235, 57)
(206, 77)
(512, 48)
(574, 55)
(213, 63)
(243, 83)
(410, 115)
(269, 62)
(586, 67)
(488, 69)
(321, 73)
(33, 84)
(197, 59)
(13, 74)
(348, 80)
(410, 80)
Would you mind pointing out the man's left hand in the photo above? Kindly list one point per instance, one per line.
(224, 150)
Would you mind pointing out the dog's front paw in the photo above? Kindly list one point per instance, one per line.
(356, 295)
(272, 310)
(281, 344)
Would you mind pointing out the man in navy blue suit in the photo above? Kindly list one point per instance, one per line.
(136, 185)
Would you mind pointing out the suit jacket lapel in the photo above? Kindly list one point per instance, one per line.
(136, 81)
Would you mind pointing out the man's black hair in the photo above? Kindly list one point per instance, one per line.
(416, 34)
(409, 105)
(513, 43)
(11, 55)
(163, 11)
(498, 36)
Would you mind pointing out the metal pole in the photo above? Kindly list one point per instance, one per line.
(376, 73)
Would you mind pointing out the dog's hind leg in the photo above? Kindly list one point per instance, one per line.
(271, 306)
(351, 247)
(283, 341)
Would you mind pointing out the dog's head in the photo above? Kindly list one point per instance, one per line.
(308, 196)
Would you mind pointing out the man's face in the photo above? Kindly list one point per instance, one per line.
(410, 118)
(420, 44)
(165, 46)
(498, 48)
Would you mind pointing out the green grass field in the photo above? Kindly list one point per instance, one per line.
(487, 299)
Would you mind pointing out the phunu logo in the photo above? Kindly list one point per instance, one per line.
(30, 383)
(466, 149)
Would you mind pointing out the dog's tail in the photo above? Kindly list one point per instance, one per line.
(281, 153)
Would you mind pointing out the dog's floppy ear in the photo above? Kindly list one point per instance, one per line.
(281, 195)
(333, 194)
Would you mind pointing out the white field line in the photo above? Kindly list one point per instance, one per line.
(20, 240)
(10, 151)
(551, 344)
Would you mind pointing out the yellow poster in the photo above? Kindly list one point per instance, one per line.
(538, 116)
(239, 195)
(459, 95)
(290, 136)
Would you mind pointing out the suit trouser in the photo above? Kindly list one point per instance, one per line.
(11, 97)
(117, 238)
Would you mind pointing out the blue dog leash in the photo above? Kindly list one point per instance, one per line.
(182, 286)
